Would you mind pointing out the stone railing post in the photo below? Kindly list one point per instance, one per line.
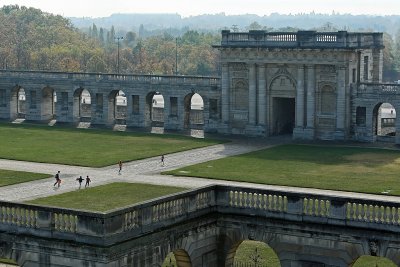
(337, 214)
(294, 207)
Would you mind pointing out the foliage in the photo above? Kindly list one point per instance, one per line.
(8, 177)
(92, 199)
(35, 40)
(255, 253)
(370, 261)
(83, 147)
(328, 167)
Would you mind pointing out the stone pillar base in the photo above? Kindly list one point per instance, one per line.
(255, 130)
(224, 128)
(339, 135)
(309, 133)
(298, 133)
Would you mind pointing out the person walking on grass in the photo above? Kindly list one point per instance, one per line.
(120, 167)
(80, 179)
(58, 180)
(87, 181)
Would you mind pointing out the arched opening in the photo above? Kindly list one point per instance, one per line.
(18, 103)
(49, 99)
(384, 122)
(154, 112)
(373, 261)
(177, 258)
(252, 253)
(82, 110)
(194, 109)
(283, 92)
(117, 108)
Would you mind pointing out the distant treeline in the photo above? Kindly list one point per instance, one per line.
(156, 44)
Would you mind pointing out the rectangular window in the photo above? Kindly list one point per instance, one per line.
(213, 107)
(33, 99)
(135, 104)
(366, 68)
(3, 102)
(99, 102)
(361, 116)
(64, 100)
(174, 106)
(353, 76)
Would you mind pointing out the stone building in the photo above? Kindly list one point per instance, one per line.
(300, 83)
(312, 85)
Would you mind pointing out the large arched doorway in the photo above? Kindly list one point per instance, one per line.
(252, 253)
(177, 258)
(283, 92)
(384, 122)
(373, 261)
(117, 108)
(194, 109)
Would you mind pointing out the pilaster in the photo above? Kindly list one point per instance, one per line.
(261, 95)
(252, 94)
(309, 131)
(341, 102)
(298, 131)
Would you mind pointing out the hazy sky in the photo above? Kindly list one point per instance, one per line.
(103, 8)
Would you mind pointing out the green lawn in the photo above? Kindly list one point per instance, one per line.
(16, 177)
(87, 147)
(354, 169)
(93, 199)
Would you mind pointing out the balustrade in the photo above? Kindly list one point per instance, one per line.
(179, 207)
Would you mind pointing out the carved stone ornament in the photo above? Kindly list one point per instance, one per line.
(373, 247)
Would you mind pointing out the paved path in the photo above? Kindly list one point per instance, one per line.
(148, 171)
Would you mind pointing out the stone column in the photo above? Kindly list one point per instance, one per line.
(341, 101)
(225, 93)
(300, 97)
(252, 94)
(310, 96)
(298, 131)
(262, 90)
(310, 120)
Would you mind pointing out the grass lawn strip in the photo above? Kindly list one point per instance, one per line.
(107, 197)
(366, 170)
(15, 177)
(87, 147)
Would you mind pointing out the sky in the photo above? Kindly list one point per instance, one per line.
(104, 8)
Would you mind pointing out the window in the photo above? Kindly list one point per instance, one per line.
(174, 106)
(3, 102)
(213, 107)
(360, 116)
(33, 99)
(135, 104)
(99, 102)
(353, 75)
(366, 68)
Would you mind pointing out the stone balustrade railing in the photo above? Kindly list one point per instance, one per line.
(378, 88)
(159, 79)
(126, 223)
(305, 39)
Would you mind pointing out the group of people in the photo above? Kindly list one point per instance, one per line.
(80, 179)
